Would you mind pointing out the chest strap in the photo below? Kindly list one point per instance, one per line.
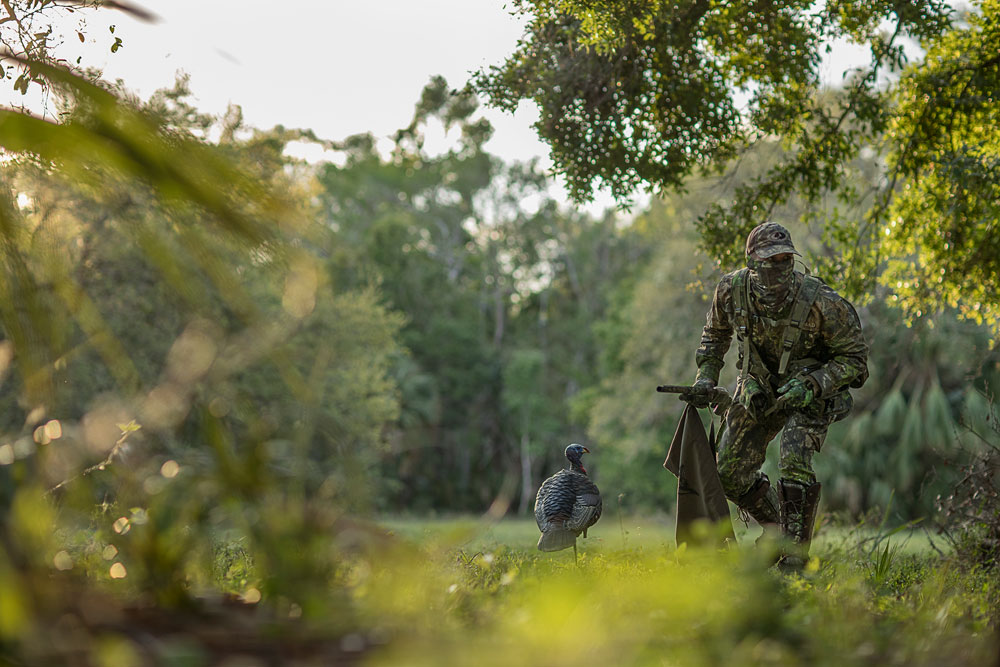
(740, 314)
(804, 300)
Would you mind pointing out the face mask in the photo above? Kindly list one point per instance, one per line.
(772, 274)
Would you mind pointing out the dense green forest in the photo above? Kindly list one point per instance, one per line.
(448, 327)
(225, 369)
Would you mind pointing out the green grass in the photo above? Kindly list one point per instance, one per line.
(452, 592)
(475, 534)
(465, 591)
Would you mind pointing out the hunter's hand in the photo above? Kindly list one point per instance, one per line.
(751, 390)
(701, 394)
(797, 393)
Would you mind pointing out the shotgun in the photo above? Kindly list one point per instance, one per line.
(717, 396)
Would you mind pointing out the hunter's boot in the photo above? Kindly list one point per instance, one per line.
(761, 503)
(797, 505)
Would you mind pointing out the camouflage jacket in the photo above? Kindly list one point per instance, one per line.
(831, 348)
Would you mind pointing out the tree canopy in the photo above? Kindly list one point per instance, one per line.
(641, 95)
(32, 30)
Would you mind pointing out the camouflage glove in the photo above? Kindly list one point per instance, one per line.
(702, 394)
(797, 393)
(751, 390)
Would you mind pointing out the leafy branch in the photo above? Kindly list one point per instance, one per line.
(117, 449)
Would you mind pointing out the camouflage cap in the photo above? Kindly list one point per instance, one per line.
(769, 239)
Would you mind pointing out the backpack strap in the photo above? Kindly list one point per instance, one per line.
(741, 315)
(753, 364)
(808, 291)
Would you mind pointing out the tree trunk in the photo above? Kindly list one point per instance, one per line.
(526, 486)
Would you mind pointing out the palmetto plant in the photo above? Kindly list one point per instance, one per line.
(894, 448)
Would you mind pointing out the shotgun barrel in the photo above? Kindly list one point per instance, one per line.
(677, 389)
(718, 396)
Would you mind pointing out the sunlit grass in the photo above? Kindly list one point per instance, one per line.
(473, 533)
(464, 591)
(635, 532)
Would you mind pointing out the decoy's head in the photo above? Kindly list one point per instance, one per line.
(574, 452)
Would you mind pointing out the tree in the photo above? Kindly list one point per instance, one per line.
(500, 289)
(29, 35)
(642, 94)
(150, 287)
(937, 234)
(407, 223)
(524, 397)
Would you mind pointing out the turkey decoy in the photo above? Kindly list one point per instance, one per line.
(567, 504)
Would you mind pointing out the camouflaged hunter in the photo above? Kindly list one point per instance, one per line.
(800, 348)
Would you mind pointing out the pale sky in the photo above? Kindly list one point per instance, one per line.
(338, 67)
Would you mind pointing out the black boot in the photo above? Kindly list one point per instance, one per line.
(797, 509)
(761, 503)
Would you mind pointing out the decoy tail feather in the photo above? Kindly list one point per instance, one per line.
(556, 540)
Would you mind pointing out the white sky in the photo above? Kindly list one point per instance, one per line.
(338, 67)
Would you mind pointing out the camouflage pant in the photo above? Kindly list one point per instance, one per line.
(743, 445)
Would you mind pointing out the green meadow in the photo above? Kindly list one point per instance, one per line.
(637, 533)
(459, 591)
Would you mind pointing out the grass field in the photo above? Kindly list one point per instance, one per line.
(652, 534)
(473, 533)
(464, 591)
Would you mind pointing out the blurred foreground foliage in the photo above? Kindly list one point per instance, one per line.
(391, 601)
(177, 368)
(635, 607)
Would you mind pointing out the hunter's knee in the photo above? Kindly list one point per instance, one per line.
(735, 482)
